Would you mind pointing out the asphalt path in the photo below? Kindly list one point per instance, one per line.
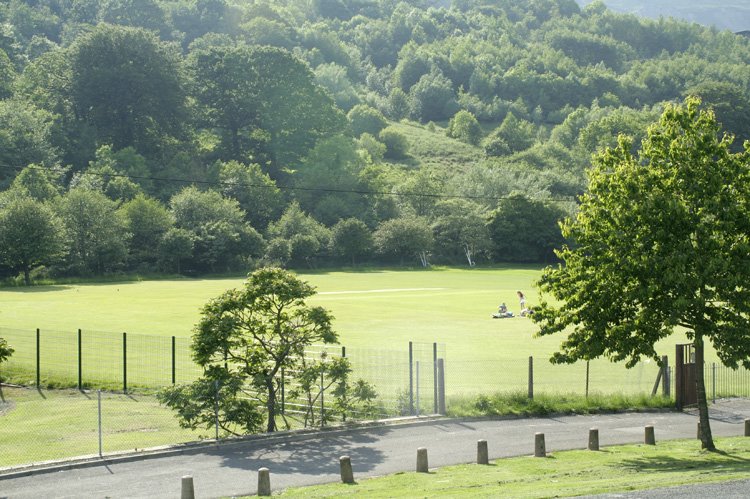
(230, 469)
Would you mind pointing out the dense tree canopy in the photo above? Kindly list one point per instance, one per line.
(366, 109)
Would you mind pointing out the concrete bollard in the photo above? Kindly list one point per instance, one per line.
(539, 448)
(482, 454)
(747, 427)
(188, 492)
(264, 482)
(594, 439)
(649, 437)
(422, 460)
(347, 475)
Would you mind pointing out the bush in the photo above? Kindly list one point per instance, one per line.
(396, 145)
(465, 127)
(365, 119)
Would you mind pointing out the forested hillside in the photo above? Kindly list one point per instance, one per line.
(213, 135)
(733, 15)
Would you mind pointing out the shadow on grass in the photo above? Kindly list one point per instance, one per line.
(717, 460)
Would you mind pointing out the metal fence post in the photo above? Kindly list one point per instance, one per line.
(282, 391)
(99, 405)
(38, 357)
(434, 378)
(587, 379)
(216, 409)
(80, 361)
(174, 362)
(713, 382)
(411, 379)
(531, 377)
(441, 386)
(125, 362)
(417, 404)
(665, 386)
(322, 404)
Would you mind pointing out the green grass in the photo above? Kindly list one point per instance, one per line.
(562, 474)
(44, 425)
(373, 309)
(519, 404)
(435, 149)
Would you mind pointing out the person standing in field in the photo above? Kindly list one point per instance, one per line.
(522, 299)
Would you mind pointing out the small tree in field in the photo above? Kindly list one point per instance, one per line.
(662, 240)
(244, 341)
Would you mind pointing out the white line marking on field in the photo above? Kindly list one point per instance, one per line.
(394, 290)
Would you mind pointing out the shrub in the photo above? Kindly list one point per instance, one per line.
(396, 145)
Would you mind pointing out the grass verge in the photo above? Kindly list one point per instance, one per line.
(519, 404)
(42, 425)
(563, 474)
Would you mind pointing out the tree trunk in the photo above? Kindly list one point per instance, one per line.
(27, 276)
(707, 441)
(271, 405)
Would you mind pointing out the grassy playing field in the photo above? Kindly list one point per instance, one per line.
(378, 309)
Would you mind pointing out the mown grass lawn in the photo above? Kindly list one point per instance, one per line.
(44, 425)
(374, 310)
(562, 474)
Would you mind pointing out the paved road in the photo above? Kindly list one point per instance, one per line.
(738, 489)
(231, 469)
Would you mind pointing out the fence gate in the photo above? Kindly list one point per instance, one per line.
(685, 390)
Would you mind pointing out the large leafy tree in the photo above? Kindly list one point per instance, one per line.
(243, 341)
(126, 84)
(327, 180)
(403, 237)
(148, 221)
(352, 239)
(306, 236)
(25, 138)
(97, 231)
(223, 240)
(223, 81)
(221, 236)
(256, 192)
(460, 229)
(294, 110)
(30, 235)
(264, 101)
(525, 230)
(661, 242)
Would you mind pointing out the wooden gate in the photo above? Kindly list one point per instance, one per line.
(685, 388)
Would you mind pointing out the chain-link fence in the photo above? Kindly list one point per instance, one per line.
(97, 359)
(42, 424)
(538, 375)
